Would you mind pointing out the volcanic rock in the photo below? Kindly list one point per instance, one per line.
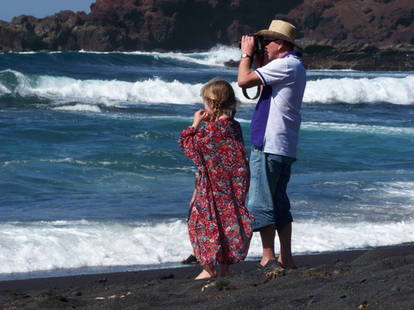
(352, 34)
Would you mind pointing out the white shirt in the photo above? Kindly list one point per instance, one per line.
(287, 76)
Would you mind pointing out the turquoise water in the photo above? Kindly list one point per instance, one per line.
(91, 176)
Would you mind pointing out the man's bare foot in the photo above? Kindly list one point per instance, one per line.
(289, 265)
(265, 261)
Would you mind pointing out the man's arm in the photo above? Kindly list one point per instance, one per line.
(245, 77)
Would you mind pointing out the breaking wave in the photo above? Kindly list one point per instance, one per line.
(29, 247)
(60, 90)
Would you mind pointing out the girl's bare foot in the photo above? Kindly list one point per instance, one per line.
(208, 272)
(204, 275)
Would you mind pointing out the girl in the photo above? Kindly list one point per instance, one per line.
(219, 224)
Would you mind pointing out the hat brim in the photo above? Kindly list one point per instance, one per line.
(269, 34)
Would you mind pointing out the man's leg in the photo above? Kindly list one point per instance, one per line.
(260, 203)
(278, 169)
(267, 234)
(285, 239)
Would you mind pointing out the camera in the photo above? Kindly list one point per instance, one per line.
(258, 45)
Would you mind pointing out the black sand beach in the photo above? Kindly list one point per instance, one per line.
(379, 278)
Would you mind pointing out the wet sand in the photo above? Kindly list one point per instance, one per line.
(379, 278)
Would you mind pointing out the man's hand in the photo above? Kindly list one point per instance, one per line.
(247, 45)
(246, 78)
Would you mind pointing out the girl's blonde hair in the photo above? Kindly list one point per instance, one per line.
(221, 94)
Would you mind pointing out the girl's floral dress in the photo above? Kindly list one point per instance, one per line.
(220, 226)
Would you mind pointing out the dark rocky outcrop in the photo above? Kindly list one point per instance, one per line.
(357, 34)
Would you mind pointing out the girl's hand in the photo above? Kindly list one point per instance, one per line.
(199, 116)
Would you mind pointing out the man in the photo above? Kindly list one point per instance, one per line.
(274, 135)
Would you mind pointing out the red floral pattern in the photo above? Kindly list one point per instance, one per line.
(220, 226)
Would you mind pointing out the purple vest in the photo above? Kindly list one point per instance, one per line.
(259, 119)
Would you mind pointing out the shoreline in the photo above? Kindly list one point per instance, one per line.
(308, 259)
(381, 277)
(182, 272)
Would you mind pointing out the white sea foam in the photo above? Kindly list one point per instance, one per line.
(361, 90)
(79, 107)
(320, 236)
(357, 128)
(65, 160)
(61, 90)
(28, 247)
(398, 189)
(27, 53)
(216, 56)
(329, 73)
(4, 90)
(54, 245)
(111, 93)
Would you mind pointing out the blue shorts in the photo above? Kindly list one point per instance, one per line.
(267, 199)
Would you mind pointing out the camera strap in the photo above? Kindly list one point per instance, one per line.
(245, 94)
(259, 51)
(244, 90)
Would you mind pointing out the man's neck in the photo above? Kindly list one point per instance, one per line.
(282, 54)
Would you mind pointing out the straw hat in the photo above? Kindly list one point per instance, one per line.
(279, 29)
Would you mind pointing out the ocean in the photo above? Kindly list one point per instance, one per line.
(92, 179)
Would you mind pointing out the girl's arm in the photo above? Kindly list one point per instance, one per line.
(192, 140)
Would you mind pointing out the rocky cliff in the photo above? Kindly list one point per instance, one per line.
(358, 34)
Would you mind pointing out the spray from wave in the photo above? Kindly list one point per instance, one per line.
(217, 56)
(28, 247)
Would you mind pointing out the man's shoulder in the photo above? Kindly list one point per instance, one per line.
(290, 65)
(277, 62)
(275, 65)
(289, 60)
(293, 59)
(295, 66)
